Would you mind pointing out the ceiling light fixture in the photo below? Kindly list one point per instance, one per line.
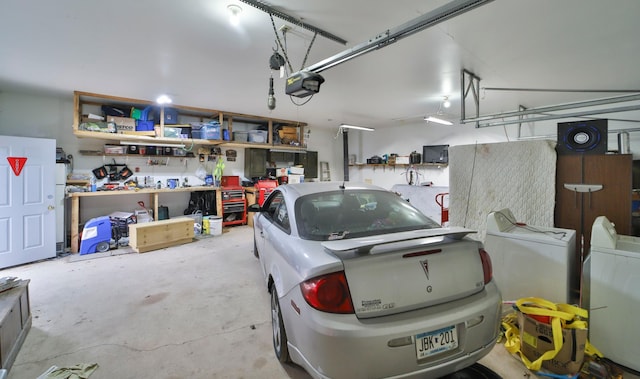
(365, 128)
(163, 99)
(438, 120)
(234, 14)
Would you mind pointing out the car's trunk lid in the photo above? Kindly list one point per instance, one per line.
(394, 273)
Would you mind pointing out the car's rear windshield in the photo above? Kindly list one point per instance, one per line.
(356, 213)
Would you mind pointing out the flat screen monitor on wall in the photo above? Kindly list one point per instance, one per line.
(435, 154)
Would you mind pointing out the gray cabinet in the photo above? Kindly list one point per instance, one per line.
(310, 163)
(15, 322)
(255, 163)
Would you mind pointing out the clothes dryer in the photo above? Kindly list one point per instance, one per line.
(531, 261)
(611, 283)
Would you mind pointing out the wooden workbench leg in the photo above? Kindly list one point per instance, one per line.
(154, 200)
(75, 220)
(219, 209)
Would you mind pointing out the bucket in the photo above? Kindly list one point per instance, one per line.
(623, 143)
(215, 225)
(163, 212)
(206, 225)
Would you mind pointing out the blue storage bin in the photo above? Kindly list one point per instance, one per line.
(144, 125)
(210, 132)
(170, 116)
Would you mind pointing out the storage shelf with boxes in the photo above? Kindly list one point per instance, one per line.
(140, 121)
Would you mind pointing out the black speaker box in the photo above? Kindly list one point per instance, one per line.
(582, 137)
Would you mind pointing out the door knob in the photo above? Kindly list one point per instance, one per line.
(51, 207)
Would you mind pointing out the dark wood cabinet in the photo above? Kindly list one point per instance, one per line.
(310, 163)
(578, 210)
(255, 163)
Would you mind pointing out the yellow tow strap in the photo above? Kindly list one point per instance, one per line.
(562, 316)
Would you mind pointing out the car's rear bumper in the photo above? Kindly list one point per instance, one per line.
(341, 346)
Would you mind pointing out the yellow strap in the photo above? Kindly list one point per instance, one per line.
(562, 316)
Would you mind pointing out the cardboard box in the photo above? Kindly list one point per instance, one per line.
(115, 149)
(122, 121)
(537, 338)
(282, 171)
(402, 159)
(288, 133)
(296, 179)
(296, 170)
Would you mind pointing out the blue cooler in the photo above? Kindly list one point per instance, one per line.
(143, 123)
(96, 235)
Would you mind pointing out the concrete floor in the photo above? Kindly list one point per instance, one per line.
(199, 310)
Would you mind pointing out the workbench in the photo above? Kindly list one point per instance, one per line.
(153, 200)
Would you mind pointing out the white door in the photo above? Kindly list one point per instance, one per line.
(27, 200)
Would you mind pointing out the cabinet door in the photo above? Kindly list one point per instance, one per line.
(578, 211)
(255, 163)
(281, 158)
(614, 172)
(310, 163)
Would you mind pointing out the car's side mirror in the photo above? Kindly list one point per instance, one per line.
(254, 208)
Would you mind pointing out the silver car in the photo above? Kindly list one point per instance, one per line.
(363, 285)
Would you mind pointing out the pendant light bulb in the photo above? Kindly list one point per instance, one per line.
(271, 99)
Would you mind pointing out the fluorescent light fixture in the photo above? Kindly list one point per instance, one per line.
(163, 99)
(438, 120)
(288, 151)
(347, 126)
(181, 145)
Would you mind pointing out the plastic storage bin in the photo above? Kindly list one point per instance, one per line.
(258, 136)
(210, 132)
(240, 136)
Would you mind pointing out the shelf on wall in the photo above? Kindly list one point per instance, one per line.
(393, 166)
(186, 112)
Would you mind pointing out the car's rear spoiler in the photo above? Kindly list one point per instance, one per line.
(365, 244)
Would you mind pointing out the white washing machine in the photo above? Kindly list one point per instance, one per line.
(612, 293)
(531, 260)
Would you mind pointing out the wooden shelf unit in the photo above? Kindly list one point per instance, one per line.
(227, 119)
(393, 166)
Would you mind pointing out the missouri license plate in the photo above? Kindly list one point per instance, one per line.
(436, 342)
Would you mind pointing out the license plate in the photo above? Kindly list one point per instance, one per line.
(436, 342)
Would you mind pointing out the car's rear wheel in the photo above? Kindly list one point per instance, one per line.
(279, 334)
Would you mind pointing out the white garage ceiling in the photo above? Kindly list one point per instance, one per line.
(188, 49)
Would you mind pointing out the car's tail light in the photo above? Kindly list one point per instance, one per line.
(328, 293)
(487, 268)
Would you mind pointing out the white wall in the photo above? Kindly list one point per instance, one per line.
(406, 138)
(49, 116)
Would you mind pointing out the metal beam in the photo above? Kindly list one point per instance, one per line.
(564, 115)
(560, 90)
(272, 11)
(553, 108)
(473, 84)
(387, 37)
